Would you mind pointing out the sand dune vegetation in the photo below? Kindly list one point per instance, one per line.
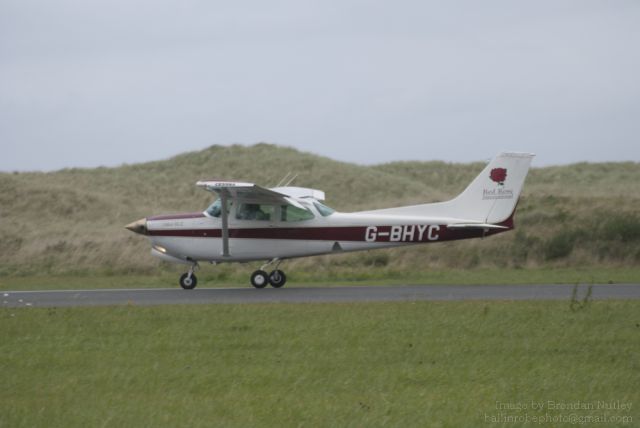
(71, 221)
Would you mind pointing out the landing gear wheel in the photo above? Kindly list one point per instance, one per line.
(259, 279)
(188, 281)
(277, 278)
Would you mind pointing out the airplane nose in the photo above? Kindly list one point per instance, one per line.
(138, 226)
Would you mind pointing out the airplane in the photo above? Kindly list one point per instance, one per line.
(247, 222)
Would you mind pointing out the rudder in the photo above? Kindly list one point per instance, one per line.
(493, 194)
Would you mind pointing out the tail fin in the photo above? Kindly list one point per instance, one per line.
(490, 198)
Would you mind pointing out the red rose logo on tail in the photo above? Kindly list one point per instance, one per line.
(499, 175)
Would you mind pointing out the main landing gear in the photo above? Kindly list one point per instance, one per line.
(261, 279)
(277, 278)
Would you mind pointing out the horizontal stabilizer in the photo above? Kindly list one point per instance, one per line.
(455, 226)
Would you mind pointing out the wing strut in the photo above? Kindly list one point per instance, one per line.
(225, 223)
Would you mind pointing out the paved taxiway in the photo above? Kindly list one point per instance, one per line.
(163, 296)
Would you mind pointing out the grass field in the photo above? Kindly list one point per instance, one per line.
(447, 364)
(368, 364)
(220, 276)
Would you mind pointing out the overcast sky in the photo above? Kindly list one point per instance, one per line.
(89, 83)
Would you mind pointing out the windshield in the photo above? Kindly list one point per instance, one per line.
(324, 210)
(291, 213)
(215, 209)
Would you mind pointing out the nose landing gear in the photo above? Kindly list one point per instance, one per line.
(188, 280)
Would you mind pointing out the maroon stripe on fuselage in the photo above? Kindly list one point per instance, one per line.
(176, 216)
(354, 233)
(311, 233)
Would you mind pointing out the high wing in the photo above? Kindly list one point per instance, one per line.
(247, 191)
(240, 189)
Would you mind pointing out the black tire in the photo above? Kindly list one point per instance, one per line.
(259, 279)
(188, 282)
(277, 278)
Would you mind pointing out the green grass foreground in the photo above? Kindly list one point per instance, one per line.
(366, 364)
(238, 276)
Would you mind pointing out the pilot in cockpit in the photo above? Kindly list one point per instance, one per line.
(252, 212)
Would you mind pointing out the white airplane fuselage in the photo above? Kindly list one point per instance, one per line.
(197, 236)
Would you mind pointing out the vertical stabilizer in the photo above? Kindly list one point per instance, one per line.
(490, 198)
(493, 194)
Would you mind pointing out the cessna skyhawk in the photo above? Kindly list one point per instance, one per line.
(252, 223)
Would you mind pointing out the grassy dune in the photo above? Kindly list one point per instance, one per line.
(437, 364)
(71, 221)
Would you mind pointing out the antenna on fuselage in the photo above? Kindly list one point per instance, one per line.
(293, 177)
(287, 179)
(283, 179)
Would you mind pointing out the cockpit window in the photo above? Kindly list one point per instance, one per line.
(255, 212)
(324, 210)
(291, 213)
(215, 209)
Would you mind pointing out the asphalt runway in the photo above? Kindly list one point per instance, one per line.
(164, 296)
